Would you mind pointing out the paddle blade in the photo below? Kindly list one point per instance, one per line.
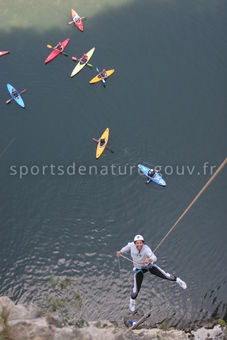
(23, 91)
(97, 69)
(109, 149)
(90, 65)
(103, 82)
(8, 101)
(49, 46)
(74, 58)
(70, 22)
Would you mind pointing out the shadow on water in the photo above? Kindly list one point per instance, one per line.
(164, 105)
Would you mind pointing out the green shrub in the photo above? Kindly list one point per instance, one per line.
(55, 303)
(165, 326)
(63, 299)
(77, 297)
(222, 322)
(65, 283)
(81, 323)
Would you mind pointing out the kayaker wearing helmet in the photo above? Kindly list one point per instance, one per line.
(151, 173)
(143, 261)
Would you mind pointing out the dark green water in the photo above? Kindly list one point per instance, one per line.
(165, 105)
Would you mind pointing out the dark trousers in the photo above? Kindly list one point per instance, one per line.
(155, 270)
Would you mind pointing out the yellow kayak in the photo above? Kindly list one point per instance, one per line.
(80, 66)
(98, 78)
(102, 143)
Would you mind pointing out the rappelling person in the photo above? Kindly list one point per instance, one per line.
(143, 261)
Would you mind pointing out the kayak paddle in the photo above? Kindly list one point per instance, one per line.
(76, 59)
(9, 100)
(96, 141)
(53, 48)
(82, 18)
(103, 80)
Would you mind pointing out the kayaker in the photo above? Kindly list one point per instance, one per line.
(84, 58)
(103, 74)
(143, 261)
(76, 18)
(102, 142)
(14, 92)
(151, 173)
(59, 46)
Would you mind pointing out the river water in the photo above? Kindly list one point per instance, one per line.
(165, 105)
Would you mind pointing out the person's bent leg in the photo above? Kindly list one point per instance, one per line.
(155, 270)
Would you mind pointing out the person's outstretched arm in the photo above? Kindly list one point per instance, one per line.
(123, 250)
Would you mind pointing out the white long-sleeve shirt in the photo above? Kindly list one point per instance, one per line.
(139, 257)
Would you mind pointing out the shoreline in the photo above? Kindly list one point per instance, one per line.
(20, 322)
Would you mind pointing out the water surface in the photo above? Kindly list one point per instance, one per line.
(166, 104)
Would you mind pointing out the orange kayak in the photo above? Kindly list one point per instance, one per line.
(101, 146)
(99, 77)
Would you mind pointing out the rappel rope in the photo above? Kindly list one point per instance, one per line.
(192, 203)
(126, 258)
(221, 166)
(119, 266)
(7, 147)
(187, 209)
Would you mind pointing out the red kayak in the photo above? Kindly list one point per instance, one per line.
(56, 51)
(3, 53)
(78, 21)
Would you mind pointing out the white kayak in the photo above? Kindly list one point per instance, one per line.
(80, 65)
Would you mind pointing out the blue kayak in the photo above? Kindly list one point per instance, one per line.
(156, 178)
(15, 95)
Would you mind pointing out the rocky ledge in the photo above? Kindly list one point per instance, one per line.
(19, 322)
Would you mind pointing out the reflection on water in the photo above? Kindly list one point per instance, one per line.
(43, 15)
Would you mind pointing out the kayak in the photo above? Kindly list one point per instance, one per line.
(56, 52)
(3, 53)
(77, 20)
(98, 78)
(80, 66)
(156, 178)
(100, 148)
(18, 99)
